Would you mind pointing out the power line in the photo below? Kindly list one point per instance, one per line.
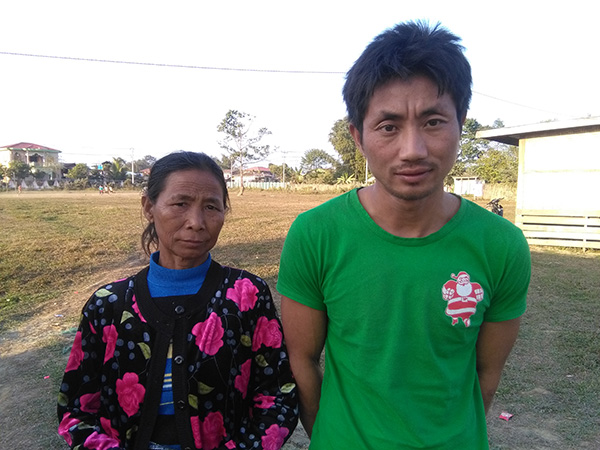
(236, 69)
(177, 66)
(519, 104)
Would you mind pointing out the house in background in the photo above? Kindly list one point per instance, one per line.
(251, 174)
(40, 158)
(558, 201)
(468, 186)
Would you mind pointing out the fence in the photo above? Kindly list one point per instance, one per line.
(560, 228)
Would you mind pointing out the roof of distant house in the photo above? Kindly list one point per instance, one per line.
(29, 146)
(512, 135)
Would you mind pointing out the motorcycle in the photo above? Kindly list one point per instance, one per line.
(495, 206)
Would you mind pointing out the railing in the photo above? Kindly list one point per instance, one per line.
(560, 228)
(257, 185)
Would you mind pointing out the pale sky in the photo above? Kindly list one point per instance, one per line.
(532, 61)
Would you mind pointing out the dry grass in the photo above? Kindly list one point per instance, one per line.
(55, 248)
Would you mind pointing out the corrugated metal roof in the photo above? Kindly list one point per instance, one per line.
(512, 135)
(30, 147)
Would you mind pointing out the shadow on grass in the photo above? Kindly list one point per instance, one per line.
(28, 393)
(551, 380)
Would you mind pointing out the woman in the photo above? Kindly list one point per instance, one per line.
(187, 354)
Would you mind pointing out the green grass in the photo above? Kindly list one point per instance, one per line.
(56, 247)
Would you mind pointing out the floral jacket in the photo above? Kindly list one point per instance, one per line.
(232, 384)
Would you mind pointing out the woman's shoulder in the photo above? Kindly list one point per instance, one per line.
(111, 292)
(233, 275)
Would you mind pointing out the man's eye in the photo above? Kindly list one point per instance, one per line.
(434, 122)
(388, 128)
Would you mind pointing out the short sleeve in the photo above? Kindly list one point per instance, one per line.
(300, 271)
(509, 300)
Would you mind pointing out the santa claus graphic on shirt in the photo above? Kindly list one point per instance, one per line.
(462, 297)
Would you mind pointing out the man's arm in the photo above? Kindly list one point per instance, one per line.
(496, 340)
(304, 329)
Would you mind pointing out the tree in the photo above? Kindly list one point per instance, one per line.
(499, 165)
(225, 162)
(118, 169)
(241, 145)
(470, 149)
(79, 172)
(277, 171)
(316, 159)
(18, 170)
(353, 161)
(145, 163)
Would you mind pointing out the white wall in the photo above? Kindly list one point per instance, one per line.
(560, 173)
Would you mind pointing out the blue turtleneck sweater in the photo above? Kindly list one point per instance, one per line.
(163, 282)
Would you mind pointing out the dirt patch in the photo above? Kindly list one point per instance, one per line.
(32, 358)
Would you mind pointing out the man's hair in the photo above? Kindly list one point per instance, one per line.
(177, 162)
(401, 52)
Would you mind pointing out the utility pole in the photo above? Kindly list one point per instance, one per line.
(132, 167)
(283, 166)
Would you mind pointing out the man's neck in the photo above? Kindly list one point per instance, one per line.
(408, 218)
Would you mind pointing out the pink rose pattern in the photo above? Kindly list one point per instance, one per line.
(108, 429)
(99, 441)
(65, 425)
(267, 332)
(264, 401)
(136, 308)
(275, 437)
(130, 393)
(243, 294)
(241, 381)
(208, 433)
(129, 390)
(90, 403)
(209, 334)
(195, 422)
(109, 337)
(76, 355)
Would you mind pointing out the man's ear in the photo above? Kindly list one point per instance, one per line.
(147, 208)
(356, 136)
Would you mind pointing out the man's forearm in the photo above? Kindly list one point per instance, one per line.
(309, 380)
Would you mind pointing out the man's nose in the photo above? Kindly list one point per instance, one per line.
(411, 143)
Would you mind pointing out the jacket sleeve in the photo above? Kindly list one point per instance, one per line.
(79, 399)
(272, 392)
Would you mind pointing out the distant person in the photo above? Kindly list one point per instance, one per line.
(187, 354)
(414, 293)
(19, 189)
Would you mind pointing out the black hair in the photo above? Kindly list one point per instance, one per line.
(406, 50)
(165, 166)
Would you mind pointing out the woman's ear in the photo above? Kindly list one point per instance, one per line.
(147, 208)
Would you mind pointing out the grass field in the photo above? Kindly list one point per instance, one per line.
(56, 247)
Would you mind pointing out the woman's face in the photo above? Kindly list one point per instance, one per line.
(188, 215)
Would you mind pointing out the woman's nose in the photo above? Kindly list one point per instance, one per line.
(196, 219)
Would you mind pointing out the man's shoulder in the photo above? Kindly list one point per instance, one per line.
(490, 226)
(333, 207)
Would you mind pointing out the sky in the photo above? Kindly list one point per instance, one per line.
(181, 65)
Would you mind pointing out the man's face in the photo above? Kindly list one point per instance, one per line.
(410, 137)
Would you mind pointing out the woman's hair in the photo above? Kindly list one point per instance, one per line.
(406, 50)
(176, 162)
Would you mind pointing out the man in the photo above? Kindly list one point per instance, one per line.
(415, 293)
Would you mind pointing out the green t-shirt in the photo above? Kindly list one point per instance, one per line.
(403, 319)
